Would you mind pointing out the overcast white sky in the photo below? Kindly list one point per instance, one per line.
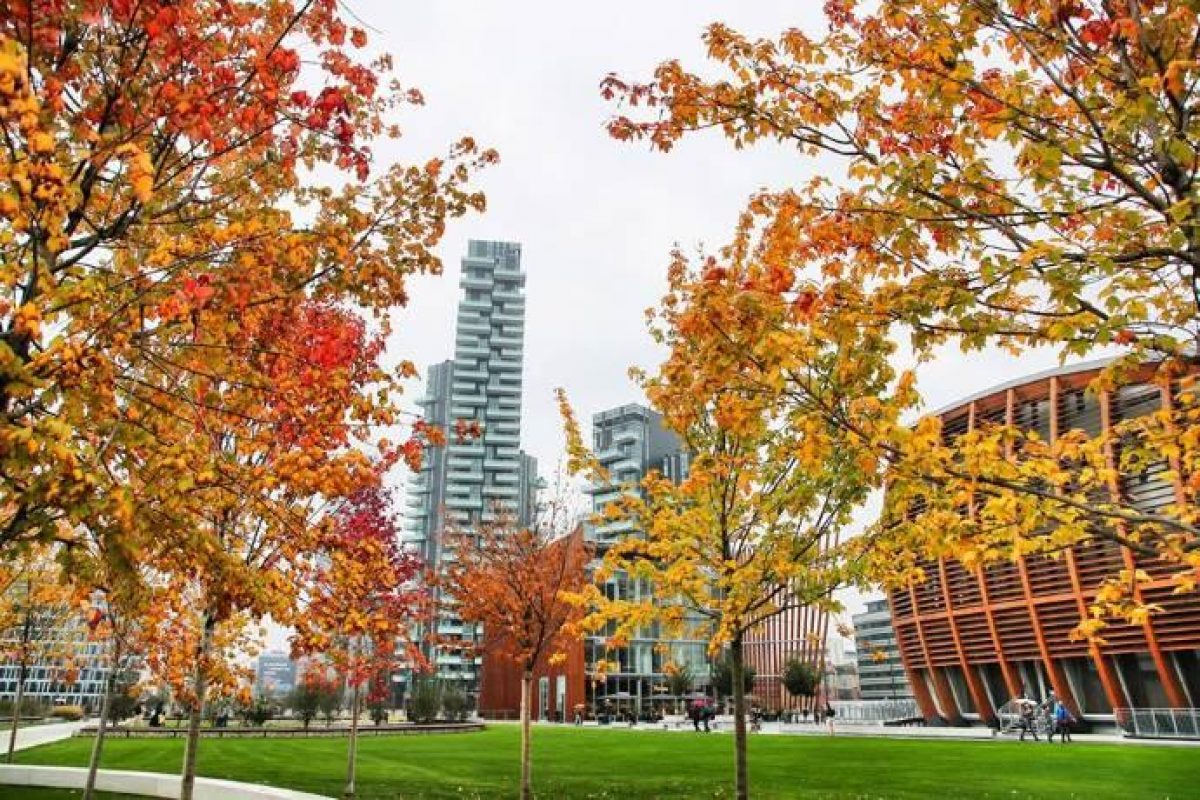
(596, 217)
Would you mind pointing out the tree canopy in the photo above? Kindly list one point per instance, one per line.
(986, 173)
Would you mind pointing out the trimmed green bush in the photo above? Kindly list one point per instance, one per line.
(722, 676)
(425, 701)
(800, 678)
(454, 704)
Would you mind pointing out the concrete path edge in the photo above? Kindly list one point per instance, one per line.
(146, 784)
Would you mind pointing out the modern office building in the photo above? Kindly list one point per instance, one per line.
(474, 478)
(971, 640)
(841, 671)
(880, 670)
(67, 666)
(630, 441)
(274, 674)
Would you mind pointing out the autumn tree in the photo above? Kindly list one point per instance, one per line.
(198, 654)
(121, 607)
(39, 612)
(1013, 174)
(379, 696)
(115, 622)
(516, 581)
(305, 699)
(164, 174)
(752, 531)
(360, 603)
(243, 479)
(180, 275)
(195, 237)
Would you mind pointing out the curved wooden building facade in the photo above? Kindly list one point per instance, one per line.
(972, 640)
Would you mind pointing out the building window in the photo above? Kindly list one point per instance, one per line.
(1141, 682)
(962, 692)
(1187, 664)
(1084, 680)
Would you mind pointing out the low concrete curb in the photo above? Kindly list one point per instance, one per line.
(146, 784)
(281, 732)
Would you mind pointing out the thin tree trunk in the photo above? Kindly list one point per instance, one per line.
(110, 682)
(353, 754)
(738, 670)
(16, 717)
(526, 734)
(200, 688)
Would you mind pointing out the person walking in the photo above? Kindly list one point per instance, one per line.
(1028, 720)
(1062, 721)
(829, 714)
(1046, 714)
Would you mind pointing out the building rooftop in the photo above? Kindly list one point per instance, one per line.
(1060, 371)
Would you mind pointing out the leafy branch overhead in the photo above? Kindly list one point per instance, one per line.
(987, 174)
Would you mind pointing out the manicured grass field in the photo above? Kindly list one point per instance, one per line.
(589, 763)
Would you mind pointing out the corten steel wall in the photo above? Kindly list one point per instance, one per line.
(500, 683)
(500, 690)
(799, 632)
(972, 639)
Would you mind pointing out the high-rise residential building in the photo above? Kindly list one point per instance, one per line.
(880, 671)
(427, 490)
(474, 478)
(528, 485)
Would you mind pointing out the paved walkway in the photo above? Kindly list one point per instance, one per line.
(145, 784)
(35, 735)
(912, 732)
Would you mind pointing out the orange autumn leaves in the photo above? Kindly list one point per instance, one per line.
(363, 596)
(160, 300)
(517, 582)
(201, 252)
(999, 188)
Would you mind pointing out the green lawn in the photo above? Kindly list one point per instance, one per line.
(589, 763)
